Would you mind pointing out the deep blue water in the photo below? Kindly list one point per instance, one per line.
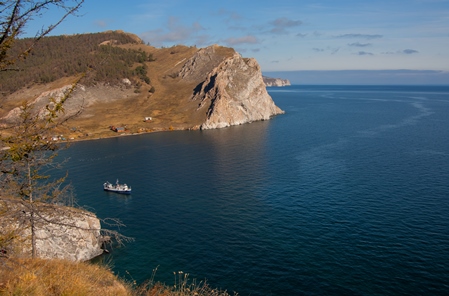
(347, 193)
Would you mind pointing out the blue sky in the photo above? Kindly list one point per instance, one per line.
(285, 35)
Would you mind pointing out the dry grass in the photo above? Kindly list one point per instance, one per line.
(38, 277)
(58, 277)
(182, 287)
(170, 105)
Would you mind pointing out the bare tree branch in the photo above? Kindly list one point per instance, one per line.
(16, 14)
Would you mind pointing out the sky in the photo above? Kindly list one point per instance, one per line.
(337, 38)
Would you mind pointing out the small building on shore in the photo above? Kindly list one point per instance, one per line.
(118, 129)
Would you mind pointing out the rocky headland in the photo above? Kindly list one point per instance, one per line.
(233, 92)
(187, 88)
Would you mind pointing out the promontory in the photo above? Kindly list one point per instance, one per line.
(118, 84)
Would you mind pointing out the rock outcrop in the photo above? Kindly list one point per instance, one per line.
(80, 101)
(233, 92)
(76, 237)
(275, 81)
(60, 232)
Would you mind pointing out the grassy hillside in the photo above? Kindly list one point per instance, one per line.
(107, 59)
(38, 277)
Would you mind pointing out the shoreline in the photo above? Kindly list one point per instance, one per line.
(125, 134)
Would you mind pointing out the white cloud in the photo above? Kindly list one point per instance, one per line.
(362, 36)
(174, 33)
(280, 25)
(363, 53)
(409, 51)
(241, 40)
(358, 44)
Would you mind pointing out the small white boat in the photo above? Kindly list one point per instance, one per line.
(118, 188)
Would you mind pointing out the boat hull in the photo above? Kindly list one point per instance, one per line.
(118, 191)
(117, 188)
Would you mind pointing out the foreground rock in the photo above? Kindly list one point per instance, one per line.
(61, 232)
(77, 238)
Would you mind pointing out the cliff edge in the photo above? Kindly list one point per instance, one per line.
(233, 92)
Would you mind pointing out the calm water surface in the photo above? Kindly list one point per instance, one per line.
(345, 194)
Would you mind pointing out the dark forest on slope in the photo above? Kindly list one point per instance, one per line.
(98, 54)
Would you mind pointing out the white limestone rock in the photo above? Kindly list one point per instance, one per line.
(275, 81)
(60, 232)
(233, 92)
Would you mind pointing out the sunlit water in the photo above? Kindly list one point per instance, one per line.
(345, 194)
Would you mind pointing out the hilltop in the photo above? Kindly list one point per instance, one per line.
(131, 85)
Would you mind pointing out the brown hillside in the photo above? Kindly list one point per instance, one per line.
(166, 99)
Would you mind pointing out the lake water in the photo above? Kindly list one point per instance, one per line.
(345, 194)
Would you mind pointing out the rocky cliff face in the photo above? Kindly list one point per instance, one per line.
(61, 232)
(275, 81)
(76, 237)
(233, 91)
